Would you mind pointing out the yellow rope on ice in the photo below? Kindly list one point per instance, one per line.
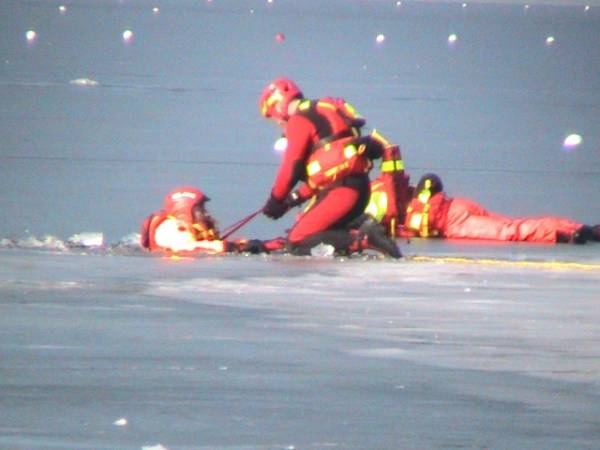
(555, 265)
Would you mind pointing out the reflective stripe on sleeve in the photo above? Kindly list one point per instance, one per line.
(392, 166)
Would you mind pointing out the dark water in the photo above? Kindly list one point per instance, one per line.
(178, 104)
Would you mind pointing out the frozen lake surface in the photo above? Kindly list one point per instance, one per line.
(283, 352)
(459, 345)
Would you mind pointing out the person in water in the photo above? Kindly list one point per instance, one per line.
(184, 225)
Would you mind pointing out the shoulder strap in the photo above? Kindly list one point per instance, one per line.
(308, 108)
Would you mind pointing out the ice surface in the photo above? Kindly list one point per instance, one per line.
(276, 351)
(459, 345)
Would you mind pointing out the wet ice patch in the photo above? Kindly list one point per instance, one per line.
(86, 239)
(7, 243)
(46, 242)
(323, 251)
(52, 347)
(389, 352)
(84, 82)
(122, 422)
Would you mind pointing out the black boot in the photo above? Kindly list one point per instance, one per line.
(596, 235)
(376, 239)
(584, 234)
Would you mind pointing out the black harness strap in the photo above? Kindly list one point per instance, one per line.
(324, 127)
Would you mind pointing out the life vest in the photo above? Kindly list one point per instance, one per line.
(337, 151)
(426, 213)
(148, 229)
(389, 192)
(165, 232)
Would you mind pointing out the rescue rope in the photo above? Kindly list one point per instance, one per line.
(554, 265)
(239, 224)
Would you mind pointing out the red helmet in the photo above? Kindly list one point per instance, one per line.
(181, 201)
(276, 97)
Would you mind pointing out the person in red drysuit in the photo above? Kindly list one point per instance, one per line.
(326, 151)
(390, 194)
(432, 214)
(185, 226)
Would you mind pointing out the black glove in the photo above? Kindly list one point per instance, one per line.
(253, 246)
(294, 199)
(275, 208)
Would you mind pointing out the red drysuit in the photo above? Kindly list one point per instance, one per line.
(318, 135)
(460, 218)
(326, 151)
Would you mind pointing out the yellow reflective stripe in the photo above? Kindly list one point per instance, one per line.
(424, 231)
(303, 106)
(419, 221)
(352, 110)
(313, 168)
(377, 206)
(375, 134)
(425, 193)
(276, 96)
(392, 166)
(331, 172)
(376, 185)
(415, 222)
(326, 105)
(311, 203)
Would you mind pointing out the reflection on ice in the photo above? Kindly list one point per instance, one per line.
(84, 82)
(572, 141)
(86, 239)
(31, 36)
(127, 36)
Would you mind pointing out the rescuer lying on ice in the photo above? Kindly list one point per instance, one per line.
(185, 226)
(431, 213)
(326, 151)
